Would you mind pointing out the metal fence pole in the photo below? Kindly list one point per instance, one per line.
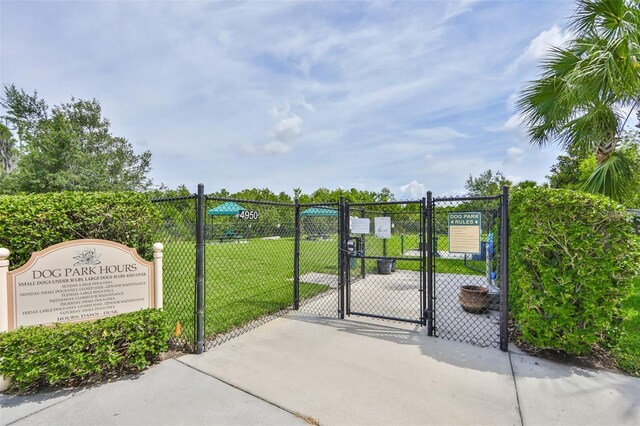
(363, 271)
(296, 259)
(200, 206)
(430, 296)
(504, 270)
(342, 264)
(423, 260)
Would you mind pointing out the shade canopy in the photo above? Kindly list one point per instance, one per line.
(226, 209)
(319, 211)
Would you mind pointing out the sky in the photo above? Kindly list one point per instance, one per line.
(412, 96)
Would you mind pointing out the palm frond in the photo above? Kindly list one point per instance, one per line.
(612, 178)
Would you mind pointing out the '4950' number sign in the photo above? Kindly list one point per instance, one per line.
(248, 215)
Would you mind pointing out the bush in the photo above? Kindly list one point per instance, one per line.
(72, 354)
(31, 223)
(573, 256)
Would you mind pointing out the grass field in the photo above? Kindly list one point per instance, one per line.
(247, 279)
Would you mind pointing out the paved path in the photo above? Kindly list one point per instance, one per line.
(344, 372)
(170, 393)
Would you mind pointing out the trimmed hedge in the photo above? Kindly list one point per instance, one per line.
(72, 354)
(31, 223)
(573, 256)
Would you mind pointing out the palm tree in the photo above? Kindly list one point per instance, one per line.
(588, 89)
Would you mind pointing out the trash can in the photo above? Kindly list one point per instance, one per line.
(384, 266)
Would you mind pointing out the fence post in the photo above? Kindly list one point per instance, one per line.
(344, 226)
(504, 270)
(430, 296)
(157, 272)
(296, 259)
(363, 270)
(4, 296)
(200, 204)
(423, 261)
(384, 241)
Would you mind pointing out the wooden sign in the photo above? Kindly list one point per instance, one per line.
(77, 281)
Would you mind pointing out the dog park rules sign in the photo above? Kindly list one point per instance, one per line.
(79, 280)
(464, 232)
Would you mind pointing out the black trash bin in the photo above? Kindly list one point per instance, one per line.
(385, 266)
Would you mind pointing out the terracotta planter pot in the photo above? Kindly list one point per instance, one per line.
(474, 299)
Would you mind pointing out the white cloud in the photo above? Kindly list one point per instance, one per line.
(514, 127)
(412, 190)
(286, 129)
(438, 134)
(540, 47)
(277, 147)
(515, 155)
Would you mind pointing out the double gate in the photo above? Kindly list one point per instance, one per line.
(227, 271)
(421, 272)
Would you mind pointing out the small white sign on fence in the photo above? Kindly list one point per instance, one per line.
(383, 227)
(360, 226)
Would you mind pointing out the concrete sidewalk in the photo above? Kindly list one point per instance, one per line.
(343, 372)
(169, 393)
(369, 372)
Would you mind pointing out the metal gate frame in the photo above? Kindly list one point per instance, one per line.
(346, 256)
(428, 248)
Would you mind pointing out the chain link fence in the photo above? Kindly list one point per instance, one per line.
(178, 234)
(231, 265)
(466, 269)
(318, 268)
(386, 267)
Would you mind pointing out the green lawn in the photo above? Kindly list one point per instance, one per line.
(247, 279)
(627, 350)
(244, 281)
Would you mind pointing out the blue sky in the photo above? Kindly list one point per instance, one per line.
(412, 96)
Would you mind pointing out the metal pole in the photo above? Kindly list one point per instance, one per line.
(296, 259)
(364, 249)
(423, 260)
(430, 274)
(200, 270)
(384, 242)
(504, 270)
(343, 264)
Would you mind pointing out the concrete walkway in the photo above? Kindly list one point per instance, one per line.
(169, 393)
(344, 372)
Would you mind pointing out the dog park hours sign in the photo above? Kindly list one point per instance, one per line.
(79, 280)
(464, 232)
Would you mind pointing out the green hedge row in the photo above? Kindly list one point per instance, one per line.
(72, 354)
(572, 258)
(31, 223)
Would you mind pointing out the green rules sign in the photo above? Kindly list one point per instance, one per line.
(464, 232)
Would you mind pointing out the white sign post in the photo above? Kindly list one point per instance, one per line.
(383, 227)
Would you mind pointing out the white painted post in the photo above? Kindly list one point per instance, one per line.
(157, 271)
(4, 302)
(4, 297)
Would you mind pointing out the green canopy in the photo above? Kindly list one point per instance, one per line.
(226, 209)
(319, 211)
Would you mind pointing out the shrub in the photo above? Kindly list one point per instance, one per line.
(572, 258)
(31, 223)
(72, 354)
